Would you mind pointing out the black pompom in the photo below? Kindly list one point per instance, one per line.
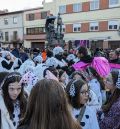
(87, 116)
(82, 124)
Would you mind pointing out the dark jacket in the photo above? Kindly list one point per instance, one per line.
(23, 56)
(6, 65)
(116, 61)
(15, 52)
(23, 127)
(86, 59)
(111, 119)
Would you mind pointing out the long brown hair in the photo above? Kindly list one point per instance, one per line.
(75, 100)
(115, 95)
(11, 78)
(48, 108)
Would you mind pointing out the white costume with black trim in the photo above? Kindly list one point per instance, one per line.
(6, 122)
(1, 67)
(95, 87)
(89, 119)
(93, 101)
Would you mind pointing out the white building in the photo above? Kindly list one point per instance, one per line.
(11, 28)
(95, 21)
(34, 27)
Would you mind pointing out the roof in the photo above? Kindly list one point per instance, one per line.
(20, 11)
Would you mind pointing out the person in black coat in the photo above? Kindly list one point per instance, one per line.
(114, 57)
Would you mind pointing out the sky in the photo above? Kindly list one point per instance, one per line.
(15, 5)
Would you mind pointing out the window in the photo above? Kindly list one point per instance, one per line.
(6, 21)
(63, 28)
(94, 5)
(113, 25)
(62, 9)
(44, 29)
(77, 27)
(15, 20)
(35, 31)
(43, 15)
(1, 35)
(77, 7)
(31, 17)
(113, 3)
(32, 31)
(94, 26)
(15, 35)
(28, 31)
(6, 36)
(41, 30)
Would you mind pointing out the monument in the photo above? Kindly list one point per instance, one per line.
(54, 36)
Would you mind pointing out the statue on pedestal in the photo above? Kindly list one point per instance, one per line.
(49, 28)
(54, 35)
(59, 24)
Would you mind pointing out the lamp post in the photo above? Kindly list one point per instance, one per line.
(54, 35)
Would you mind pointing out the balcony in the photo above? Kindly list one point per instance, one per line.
(35, 37)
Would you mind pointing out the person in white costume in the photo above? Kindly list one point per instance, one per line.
(52, 62)
(57, 52)
(39, 70)
(93, 96)
(96, 83)
(6, 63)
(24, 67)
(12, 101)
(5, 53)
(17, 64)
(28, 81)
(38, 60)
(78, 95)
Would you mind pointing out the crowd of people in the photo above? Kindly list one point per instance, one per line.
(59, 89)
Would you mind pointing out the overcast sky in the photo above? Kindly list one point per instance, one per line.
(14, 5)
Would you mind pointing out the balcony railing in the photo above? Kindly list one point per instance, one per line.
(35, 37)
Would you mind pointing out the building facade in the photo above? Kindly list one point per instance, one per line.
(96, 21)
(34, 27)
(11, 29)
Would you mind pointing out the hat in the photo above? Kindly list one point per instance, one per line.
(5, 53)
(28, 65)
(50, 75)
(51, 62)
(70, 57)
(57, 50)
(39, 69)
(29, 79)
(38, 59)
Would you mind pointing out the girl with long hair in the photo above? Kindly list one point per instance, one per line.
(12, 101)
(78, 94)
(48, 108)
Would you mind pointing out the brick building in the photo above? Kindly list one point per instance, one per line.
(95, 20)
